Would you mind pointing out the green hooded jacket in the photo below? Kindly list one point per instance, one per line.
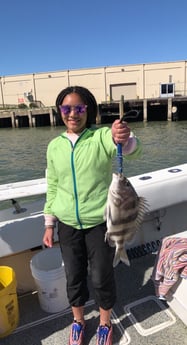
(78, 177)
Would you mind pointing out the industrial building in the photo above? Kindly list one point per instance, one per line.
(147, 86)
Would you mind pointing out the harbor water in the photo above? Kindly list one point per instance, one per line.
(23, 151)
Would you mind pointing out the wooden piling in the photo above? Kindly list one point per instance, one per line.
(145, 110)
(51, 116)
(13, 119)
(30, 118)
(169, 118)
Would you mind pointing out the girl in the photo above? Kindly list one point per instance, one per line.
(79, 172)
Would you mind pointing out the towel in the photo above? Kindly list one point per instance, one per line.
(170, 264)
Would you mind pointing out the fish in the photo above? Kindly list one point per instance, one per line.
(123, 214)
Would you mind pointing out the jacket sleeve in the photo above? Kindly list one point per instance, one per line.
(133, 149)
(52, 181)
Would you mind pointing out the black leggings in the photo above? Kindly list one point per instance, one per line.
(80, 247)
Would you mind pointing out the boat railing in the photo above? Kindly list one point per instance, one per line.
(23, 189)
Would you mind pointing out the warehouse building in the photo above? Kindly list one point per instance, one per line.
(147, 87)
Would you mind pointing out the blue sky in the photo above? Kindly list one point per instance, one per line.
(40, 36)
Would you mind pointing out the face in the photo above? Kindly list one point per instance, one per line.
(73, 112)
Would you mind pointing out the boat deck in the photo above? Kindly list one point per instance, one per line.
(138, 317)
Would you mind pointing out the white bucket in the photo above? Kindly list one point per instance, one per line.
(48, 272)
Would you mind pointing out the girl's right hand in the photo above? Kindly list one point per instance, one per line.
(48, 237)
(120, 132)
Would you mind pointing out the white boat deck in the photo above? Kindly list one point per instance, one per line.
(138, 317)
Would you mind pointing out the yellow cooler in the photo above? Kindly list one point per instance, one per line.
(9, 312)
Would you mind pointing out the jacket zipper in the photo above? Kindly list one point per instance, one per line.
(74, 180)
(75, 187)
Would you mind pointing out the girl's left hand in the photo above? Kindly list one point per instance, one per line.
(120, 132)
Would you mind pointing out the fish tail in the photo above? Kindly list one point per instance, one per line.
(121, 255)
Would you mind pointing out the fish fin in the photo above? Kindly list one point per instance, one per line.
(111, 243)
(108, 239)
(143, 204)
(121, 255)
(143, 208)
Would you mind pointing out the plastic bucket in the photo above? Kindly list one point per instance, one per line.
(9, 312)
(48, 272)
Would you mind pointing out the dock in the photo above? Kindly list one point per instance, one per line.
(18, 118)
(156, 109)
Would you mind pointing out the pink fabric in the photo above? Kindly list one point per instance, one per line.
(50, 220)
(130, 146)
(171, 264)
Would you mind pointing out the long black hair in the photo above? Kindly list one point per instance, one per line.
(86, 96)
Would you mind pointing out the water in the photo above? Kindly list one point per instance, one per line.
(23, 151)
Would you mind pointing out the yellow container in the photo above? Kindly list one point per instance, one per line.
(9, 312)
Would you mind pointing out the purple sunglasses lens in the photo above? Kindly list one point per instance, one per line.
(65, 109)
(79, 109)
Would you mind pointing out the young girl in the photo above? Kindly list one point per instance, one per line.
(79, 172)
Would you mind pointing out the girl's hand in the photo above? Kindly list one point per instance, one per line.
(120, 132)
(48, 237)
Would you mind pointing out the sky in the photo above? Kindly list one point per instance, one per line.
(43, 36)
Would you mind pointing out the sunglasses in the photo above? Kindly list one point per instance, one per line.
(79, 109)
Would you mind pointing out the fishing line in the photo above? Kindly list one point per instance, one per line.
(131, 114)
